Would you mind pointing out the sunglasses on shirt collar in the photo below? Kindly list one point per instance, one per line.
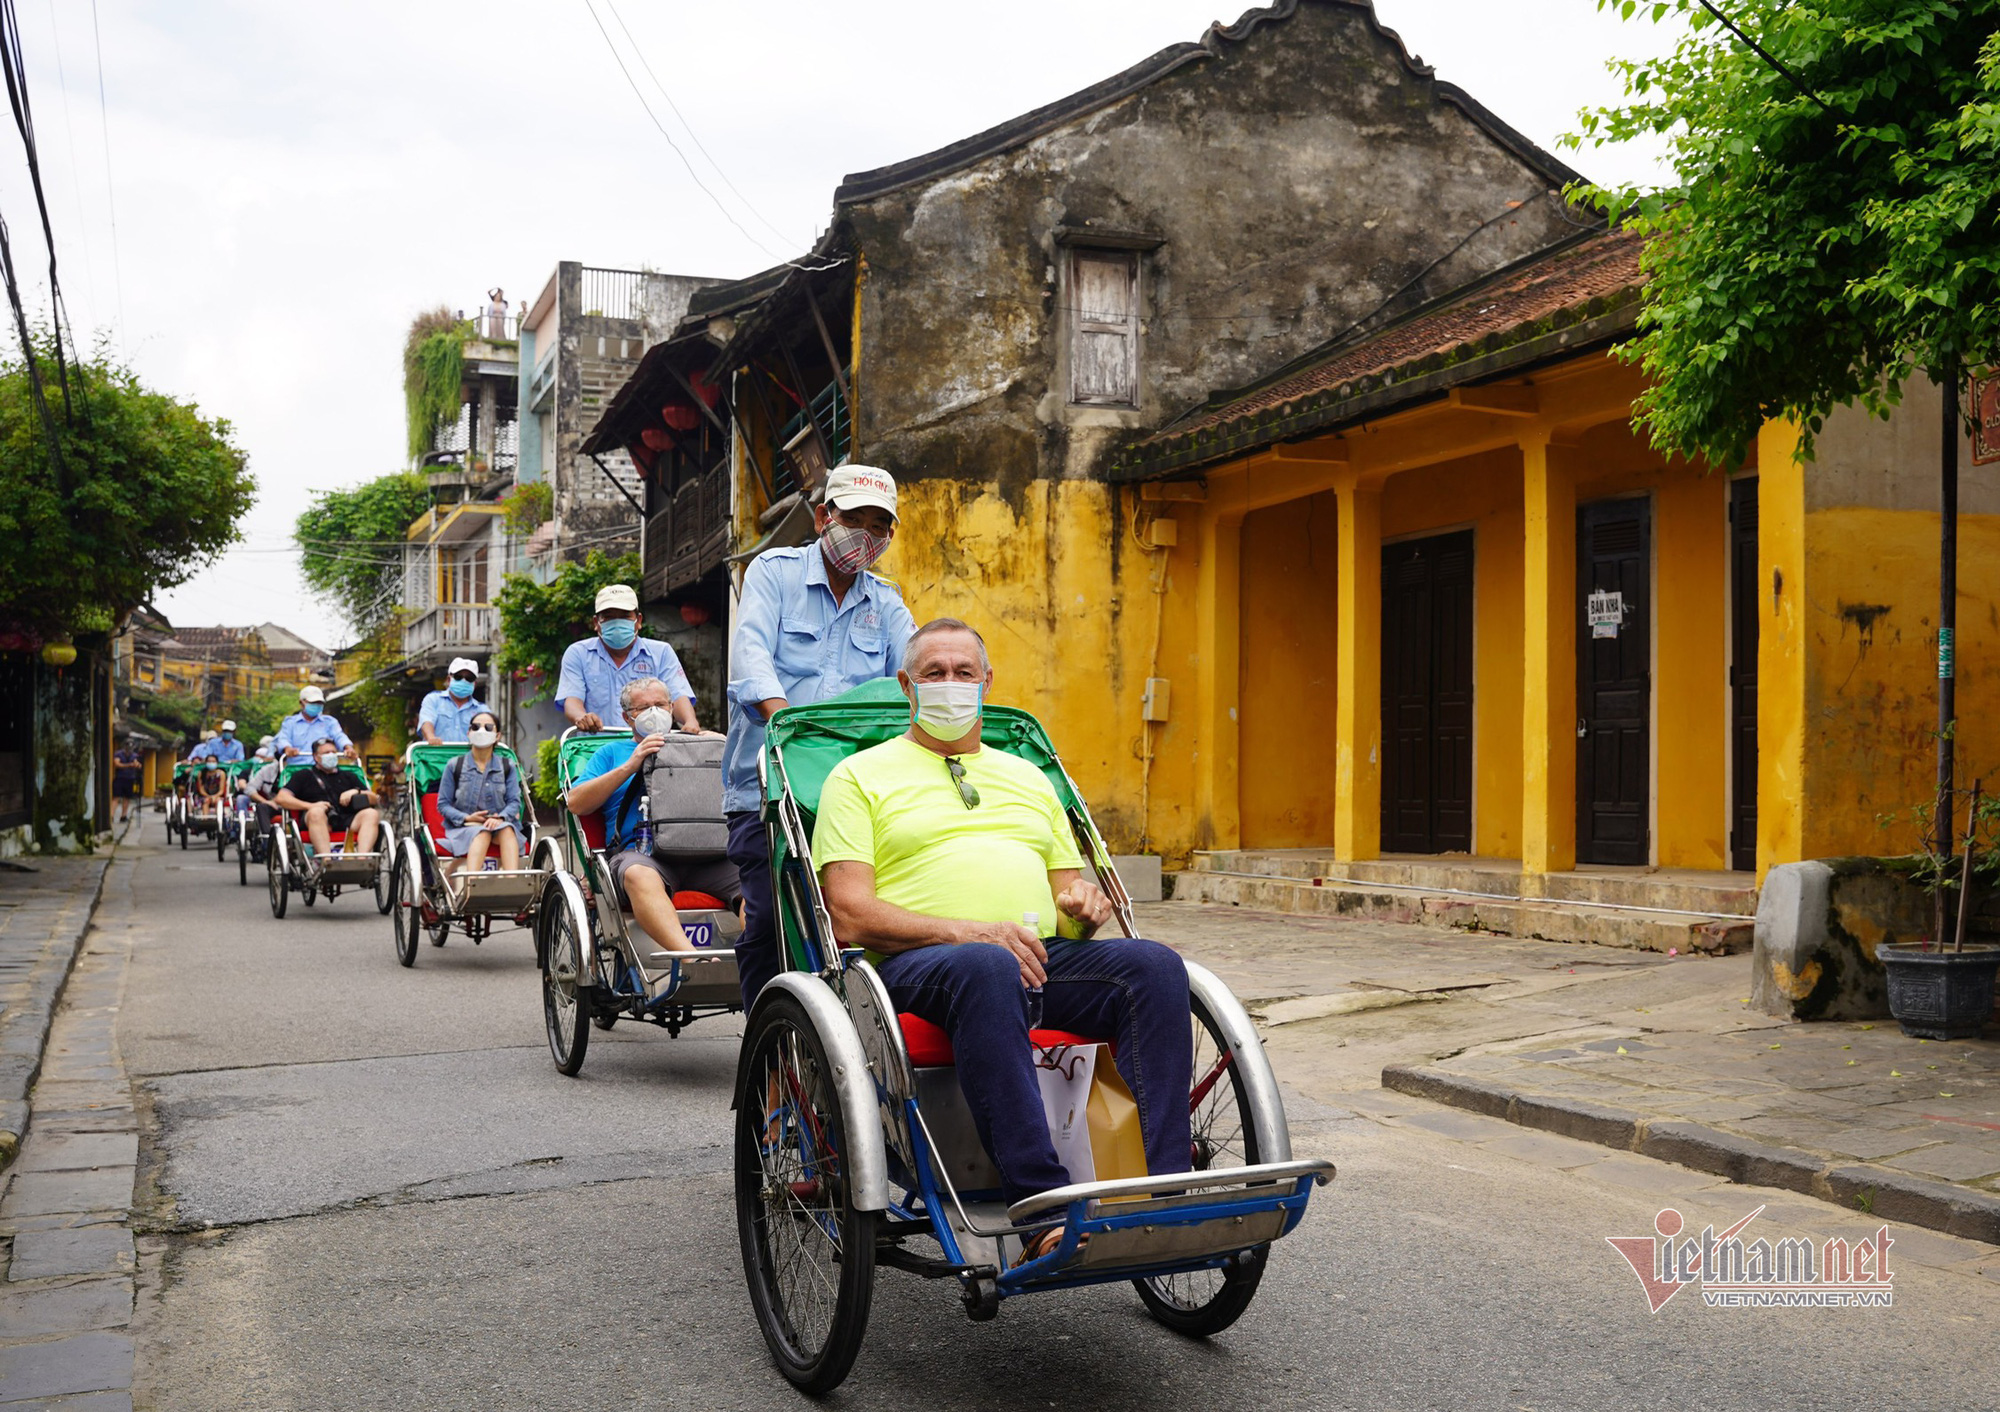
(966, 791)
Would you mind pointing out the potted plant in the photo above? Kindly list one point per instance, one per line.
(1939, 988)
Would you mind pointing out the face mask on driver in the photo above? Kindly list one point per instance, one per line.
(460, 690)
(654, 720)
(947, 709)
(850, 549)
(619, 633)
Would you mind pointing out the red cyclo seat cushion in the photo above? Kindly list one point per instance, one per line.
(697, 902)
(930, 1046)
(593, 831)
(433, 820)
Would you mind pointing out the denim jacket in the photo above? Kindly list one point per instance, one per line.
(466, 789)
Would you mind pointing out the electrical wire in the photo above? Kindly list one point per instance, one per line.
(75, 166)
(694, 137)
(15, 71)
(693, 175)
(110, 193)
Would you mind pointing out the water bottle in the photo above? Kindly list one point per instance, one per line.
(1033, 922)
(642, 841)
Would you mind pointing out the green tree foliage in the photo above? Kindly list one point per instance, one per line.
(169, 716)
(1832, 222)
(539, 620)
(371, 708)
(433, 375)
(353, 543)
(527, 505)
(144, 493)
(260, 715)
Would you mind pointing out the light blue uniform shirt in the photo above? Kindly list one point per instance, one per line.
(449, 716)
(589, 674)
(227, 752)
(299, 733)
(792, 640)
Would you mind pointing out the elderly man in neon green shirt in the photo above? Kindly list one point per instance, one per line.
(956, 865)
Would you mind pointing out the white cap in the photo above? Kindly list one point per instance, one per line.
(617, 595)
(265, 741)
(463, 664)
(852, 487)
(229, 725)
(311, 693)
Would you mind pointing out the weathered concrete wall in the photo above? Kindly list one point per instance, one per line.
(65, 766)
(1849, 575)
(1295, 180)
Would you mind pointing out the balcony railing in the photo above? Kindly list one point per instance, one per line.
(690, 535)
(613, 294)
(450, 627)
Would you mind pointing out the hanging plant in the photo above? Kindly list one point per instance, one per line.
(433, 375)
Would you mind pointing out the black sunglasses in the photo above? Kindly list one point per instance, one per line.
(965, 789)
(463, 676)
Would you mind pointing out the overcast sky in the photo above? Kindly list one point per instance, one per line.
(292, 182)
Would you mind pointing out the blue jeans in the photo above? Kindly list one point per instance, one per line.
(1132, 992)
(757, 948)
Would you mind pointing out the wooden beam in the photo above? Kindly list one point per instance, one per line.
(1508, 399)
(1331, 450)
(1185, 490)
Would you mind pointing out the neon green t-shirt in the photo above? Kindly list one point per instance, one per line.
(895, 807)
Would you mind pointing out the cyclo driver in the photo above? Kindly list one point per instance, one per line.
(934, 853)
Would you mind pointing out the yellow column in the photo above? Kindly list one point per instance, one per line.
(1218, 679)
(1357, 818)
(1781, 648)
(1548, 676)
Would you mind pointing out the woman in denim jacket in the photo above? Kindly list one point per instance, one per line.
(479, 795)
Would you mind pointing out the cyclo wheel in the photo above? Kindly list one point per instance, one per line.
(274, 873)
(808, 1254)
(385, 881)
(565, 987)
(1203, 1302)
(221, 842)
(406, 888)
(242, 854)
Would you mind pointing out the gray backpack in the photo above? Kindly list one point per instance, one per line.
(685, 790)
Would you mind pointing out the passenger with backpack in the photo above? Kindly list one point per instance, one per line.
(479, 796)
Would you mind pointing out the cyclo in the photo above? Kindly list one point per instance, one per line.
(598, 963)
(289, 864)
(428, 898)
(178, 802)
(853, 1138)
(238, 824)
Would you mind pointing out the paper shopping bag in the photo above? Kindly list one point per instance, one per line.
(1117, 1146)
(1064, 1072)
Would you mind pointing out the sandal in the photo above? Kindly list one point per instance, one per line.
(1043, 1242)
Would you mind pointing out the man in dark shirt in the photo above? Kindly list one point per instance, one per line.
(332, 800)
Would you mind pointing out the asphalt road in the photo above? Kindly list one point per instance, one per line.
(372, 1190)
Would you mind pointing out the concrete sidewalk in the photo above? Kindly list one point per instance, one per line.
(45, 907)
(1631, 1050)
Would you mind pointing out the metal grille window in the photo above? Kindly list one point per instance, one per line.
(1104, 327)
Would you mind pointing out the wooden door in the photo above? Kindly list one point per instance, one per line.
(1427, 694)
(1743, 673)
(1614, 681)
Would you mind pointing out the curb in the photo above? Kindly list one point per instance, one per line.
(24, 1030)
(1882, 1191)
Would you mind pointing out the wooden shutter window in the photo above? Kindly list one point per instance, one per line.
(1104, 327)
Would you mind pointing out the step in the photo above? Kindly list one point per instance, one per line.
(1675, 890)
(1538, 918)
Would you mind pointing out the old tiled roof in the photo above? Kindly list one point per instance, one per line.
(1558, 302)
(862, 186)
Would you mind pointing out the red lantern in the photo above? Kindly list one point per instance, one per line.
(693, 614)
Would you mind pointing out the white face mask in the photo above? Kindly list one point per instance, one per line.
(326, 761)
(482, 735)
(947, 709)
(654, 720)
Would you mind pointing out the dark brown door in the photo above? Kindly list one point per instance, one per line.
(1614, 680)
(1743, 673)
(1427, 694)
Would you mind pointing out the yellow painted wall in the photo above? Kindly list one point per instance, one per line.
(1869, 634)
(1289, 639)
